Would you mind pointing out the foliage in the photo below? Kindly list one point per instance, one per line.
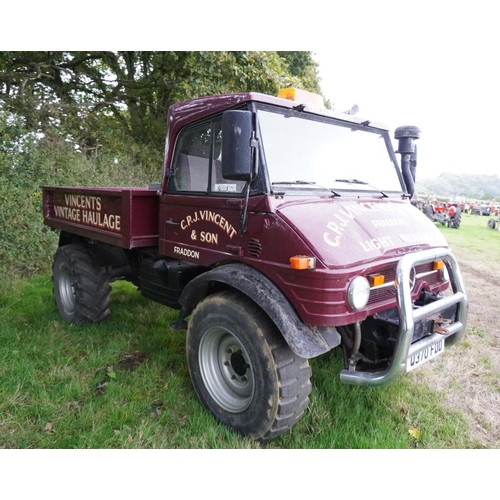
(27, 162)
(472, 186)
(86, 93)
(302, 66)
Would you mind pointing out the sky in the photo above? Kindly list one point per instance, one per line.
(433, 65)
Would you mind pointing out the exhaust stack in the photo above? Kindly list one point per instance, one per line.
(407, 135)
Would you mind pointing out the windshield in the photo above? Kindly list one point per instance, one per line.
(306, 154)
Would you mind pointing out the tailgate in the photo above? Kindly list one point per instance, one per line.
(125, 217)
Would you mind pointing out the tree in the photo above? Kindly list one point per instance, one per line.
(303, 66)
(96, 97)
(472, 186)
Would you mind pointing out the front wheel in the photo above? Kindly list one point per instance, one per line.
(81, 289)
(242, 369)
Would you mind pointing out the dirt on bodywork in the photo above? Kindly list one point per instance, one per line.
(469, 372)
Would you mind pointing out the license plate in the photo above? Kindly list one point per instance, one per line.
(424, 355)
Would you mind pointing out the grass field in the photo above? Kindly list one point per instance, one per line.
(474, 239)
(124, 383)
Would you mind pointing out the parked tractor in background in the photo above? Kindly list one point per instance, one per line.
(447, 214)
(482, 209)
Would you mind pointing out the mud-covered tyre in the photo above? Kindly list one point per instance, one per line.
(81, 289)
(242, 370)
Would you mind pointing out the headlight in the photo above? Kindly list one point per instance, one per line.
(358, 293)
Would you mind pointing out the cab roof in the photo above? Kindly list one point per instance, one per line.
(194, 109)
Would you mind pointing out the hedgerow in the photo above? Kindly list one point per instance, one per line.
(28, 162)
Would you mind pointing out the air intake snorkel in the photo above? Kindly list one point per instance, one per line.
(407, 148)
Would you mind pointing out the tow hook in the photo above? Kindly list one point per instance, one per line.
(353, 361)
(439, 325)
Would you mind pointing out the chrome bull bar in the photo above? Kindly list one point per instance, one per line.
(408, 316)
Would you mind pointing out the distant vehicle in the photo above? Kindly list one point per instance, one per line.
(418, 203)
(482, 209)
(458, 201)
(446, 215)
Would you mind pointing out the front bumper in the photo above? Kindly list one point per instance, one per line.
(409, 315)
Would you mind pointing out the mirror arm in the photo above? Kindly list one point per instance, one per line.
(244, 214)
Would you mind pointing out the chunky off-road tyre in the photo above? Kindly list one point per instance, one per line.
(429, 212)
(492, 223)
(457, 219)
(81, 288)
(242, 369)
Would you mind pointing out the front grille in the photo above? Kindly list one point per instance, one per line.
(427, 274)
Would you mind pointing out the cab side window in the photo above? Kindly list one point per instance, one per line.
(197, 162)
(191, 164)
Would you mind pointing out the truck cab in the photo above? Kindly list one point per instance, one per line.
(311, 198)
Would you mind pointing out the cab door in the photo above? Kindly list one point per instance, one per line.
(200, 214)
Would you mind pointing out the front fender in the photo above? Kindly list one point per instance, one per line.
(304, 340)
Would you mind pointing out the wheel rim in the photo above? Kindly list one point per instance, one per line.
(226, 370)
(66, 289)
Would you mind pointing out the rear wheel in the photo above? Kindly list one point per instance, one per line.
(242, 369)
(429, 212)
(457, 219)
(81, 289)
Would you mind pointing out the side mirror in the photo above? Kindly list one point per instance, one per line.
(237, 129)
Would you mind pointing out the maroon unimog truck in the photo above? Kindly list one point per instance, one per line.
(280, 230)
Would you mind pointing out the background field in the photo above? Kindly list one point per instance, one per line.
(124, 383)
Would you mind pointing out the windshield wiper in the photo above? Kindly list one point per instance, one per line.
(351, 181)
(293, 182)
(305, 183)
(357, 181)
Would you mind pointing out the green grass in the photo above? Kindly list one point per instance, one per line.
(124, 383)
(474, 239)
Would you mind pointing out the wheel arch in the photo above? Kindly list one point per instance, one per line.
(67, 238)
(102, 254)
(304, 340)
